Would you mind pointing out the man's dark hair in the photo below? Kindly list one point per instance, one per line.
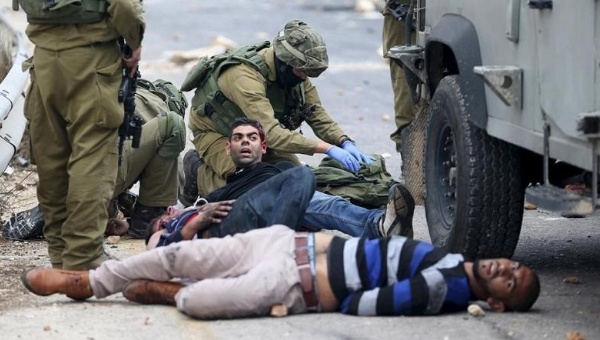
(247, 121)
(526, 302)
(149, 232)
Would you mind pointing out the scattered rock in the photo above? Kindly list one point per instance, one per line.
(529, 206)
(476, 310)
(147, 321)
(113, 239)
(218, 45)
(47, 328)
(22, 162)
(575, 336)
(572, 280)
(279, 311)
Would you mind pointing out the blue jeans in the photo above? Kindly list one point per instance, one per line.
(282, 199)
(335, 213)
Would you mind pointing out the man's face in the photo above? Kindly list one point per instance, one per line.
(504, 280)
(169, 214)
(245, 146)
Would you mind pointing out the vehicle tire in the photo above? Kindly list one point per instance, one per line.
(474, 190)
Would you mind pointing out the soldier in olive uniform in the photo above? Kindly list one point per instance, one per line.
(155, 163)
(394, 35)
(74, 113)
(268, 83)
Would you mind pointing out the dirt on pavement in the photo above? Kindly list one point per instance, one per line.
(17, 193)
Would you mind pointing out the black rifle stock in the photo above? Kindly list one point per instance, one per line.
(132, 124)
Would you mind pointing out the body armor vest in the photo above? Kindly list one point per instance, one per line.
(62, 11)
(209, 101)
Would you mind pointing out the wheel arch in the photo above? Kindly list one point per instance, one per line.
(453, 48)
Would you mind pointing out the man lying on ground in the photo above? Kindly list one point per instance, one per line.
(250, 183)
(275, 268)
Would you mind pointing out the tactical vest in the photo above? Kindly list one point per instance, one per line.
(166, 91)
(62, 11)
(209, 101)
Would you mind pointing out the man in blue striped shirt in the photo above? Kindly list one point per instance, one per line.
(277, 270)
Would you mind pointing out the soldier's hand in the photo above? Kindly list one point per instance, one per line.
(356, 153)
(132, 61)
(344, 157)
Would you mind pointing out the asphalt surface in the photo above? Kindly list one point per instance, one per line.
(357, 92)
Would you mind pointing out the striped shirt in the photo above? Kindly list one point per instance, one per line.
(396, 276)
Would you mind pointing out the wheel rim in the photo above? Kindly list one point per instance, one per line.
(446, 175)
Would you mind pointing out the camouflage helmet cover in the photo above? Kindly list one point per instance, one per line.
(301, 47)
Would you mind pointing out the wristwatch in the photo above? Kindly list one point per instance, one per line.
(345, 138)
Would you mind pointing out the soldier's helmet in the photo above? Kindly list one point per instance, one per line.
(301, 47)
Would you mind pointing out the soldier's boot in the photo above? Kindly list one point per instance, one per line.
(151, 292)
(126, 201)
(47, 281)
(397, 219)
(191, 163)
(140, 219)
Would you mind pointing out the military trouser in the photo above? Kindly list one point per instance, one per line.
(73, 115)
(218, 164)
(158, 174)
(404, 110)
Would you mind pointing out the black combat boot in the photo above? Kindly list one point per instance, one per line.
(191, 163)
(140, 219)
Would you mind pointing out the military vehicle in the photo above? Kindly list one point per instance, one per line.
(513, 95)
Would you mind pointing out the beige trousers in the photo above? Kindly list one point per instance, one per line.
(237, 276)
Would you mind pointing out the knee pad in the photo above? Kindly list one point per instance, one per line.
(172, 129)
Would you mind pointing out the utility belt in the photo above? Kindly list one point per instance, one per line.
(305, 260)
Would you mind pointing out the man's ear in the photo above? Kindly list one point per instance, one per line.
(228, 148)
(263, 146)
(496, 305)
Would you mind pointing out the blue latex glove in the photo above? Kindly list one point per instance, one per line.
(348, 161)
(353, 150)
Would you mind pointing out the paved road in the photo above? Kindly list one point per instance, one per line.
(356, 90)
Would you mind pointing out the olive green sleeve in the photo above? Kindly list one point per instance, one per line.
(247, 89)
(320, 121)
(126, 16)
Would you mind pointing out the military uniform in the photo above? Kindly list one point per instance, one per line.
(247, 88)
(73, 116)
(404, 110)
(268, 84)
(156, 162)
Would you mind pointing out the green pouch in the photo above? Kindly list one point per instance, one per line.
(369, 188)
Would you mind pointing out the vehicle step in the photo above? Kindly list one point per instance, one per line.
(553, 198)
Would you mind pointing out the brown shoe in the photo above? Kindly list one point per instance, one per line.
(150, 292)
(46, 281)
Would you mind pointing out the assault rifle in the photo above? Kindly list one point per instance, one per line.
(132, 124)
(403, 12)
(292, 122)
